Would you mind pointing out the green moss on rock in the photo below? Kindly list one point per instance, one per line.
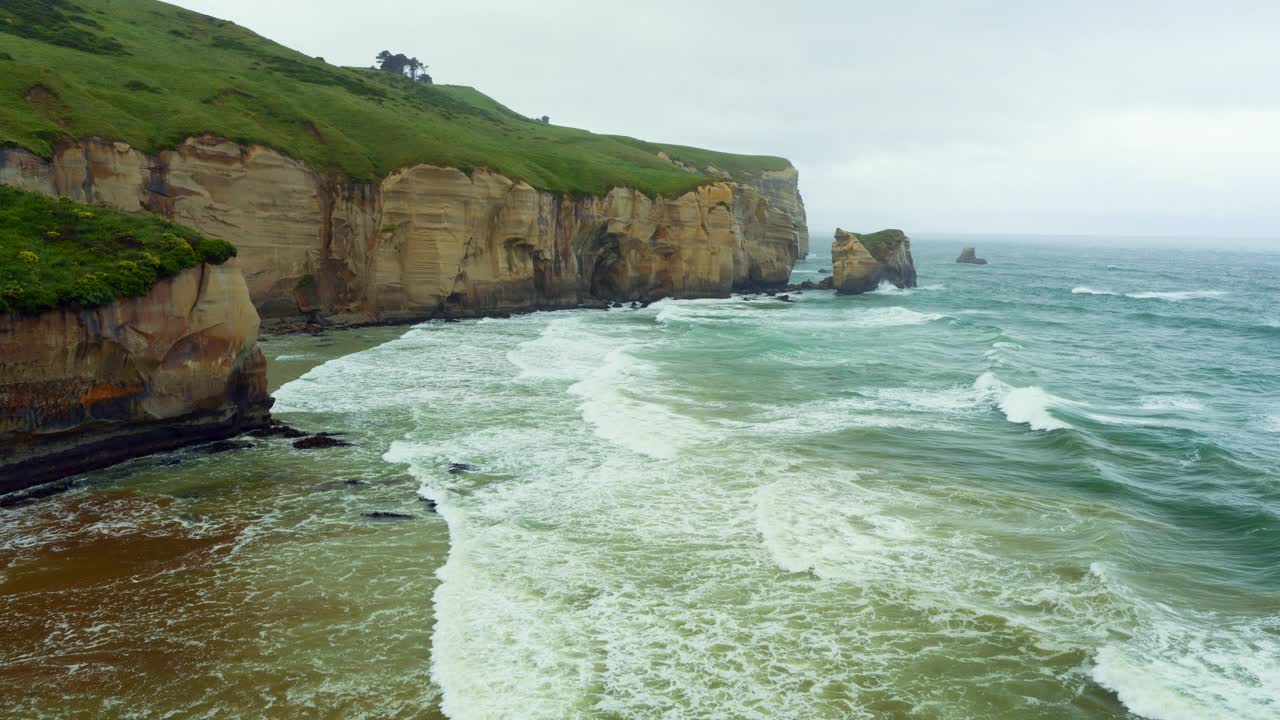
(882, 244)
(58, 253)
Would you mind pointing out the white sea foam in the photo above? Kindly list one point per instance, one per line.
(1203, 668)
(1271, 423)
(1175, 296)
(294, 356)
(1024, 405)
(564, 350)
(1002, 352)
(613, 404)
(1179, 295)
(1170, 403)
(891, 316)
(887, 288)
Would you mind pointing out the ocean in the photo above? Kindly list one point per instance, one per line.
(1048, 487)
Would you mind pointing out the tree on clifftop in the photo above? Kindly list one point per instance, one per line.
(400, 64)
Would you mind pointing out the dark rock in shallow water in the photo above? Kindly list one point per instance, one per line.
(380, 515)
(319, 441)
(785, 298)
(827, 283)
(277, 429)
(616, 305)
(355, 483)
(969, 256)
(823, 271)
(635, 305)
(35, 493)
(225, 446)
(428, 503)
(459, 468)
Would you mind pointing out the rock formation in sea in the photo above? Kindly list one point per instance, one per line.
(80, 389)
(861, 262)
(431, 241)
(970, 256)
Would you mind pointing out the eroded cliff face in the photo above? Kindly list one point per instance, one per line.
(429, 241)
(861, 263)
(782, 187)
(85, 389)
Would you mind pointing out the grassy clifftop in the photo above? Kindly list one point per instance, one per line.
(56, 253)
(152, 74)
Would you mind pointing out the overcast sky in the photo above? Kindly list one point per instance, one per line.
(1001, 116)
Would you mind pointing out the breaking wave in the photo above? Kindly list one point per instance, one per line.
(1029, 406)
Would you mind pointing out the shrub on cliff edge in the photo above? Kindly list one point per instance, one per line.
(58, 253)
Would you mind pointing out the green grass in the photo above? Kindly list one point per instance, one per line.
(882, 244)
(57, 253)
(152, 75)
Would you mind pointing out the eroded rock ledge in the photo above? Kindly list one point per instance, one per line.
(429, 241)
(84, 389)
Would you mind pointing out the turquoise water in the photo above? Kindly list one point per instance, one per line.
(1044, 488)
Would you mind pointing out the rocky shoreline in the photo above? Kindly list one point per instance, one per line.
(83, 389)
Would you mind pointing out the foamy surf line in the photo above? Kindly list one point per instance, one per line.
(1173, 295)
(887, 288)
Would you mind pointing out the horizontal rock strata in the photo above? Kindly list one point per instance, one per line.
(429, 241)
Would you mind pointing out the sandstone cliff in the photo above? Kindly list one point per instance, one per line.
(430, 241)
(862, 262)
(85, 389)
(782, 187)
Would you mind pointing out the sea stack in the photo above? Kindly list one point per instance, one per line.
(862, 261)
(969, 256)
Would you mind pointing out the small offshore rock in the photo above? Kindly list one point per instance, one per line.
(355, 483)
(616, 305)
(824, 271)
(428, 503)
(785, 298)
(320, 441)
(381, 515)
(460, 468)
(969, 256)
(635, 305)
